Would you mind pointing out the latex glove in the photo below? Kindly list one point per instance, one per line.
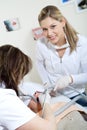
(44, 98)
(63, 82)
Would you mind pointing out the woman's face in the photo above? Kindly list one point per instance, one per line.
(53, 30)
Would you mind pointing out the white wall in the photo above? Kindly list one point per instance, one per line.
(27, 11)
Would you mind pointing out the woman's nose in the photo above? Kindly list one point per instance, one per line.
(49, 32)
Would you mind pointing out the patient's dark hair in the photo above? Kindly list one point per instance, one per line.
(14, 65)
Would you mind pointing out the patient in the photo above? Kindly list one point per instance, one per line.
(73, 117)
(28, 94)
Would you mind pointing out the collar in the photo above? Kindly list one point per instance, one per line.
(55, 47)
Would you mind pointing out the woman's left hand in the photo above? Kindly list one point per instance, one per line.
(63, 82)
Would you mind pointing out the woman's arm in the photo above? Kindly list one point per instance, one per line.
(81, 77)
(42, 72)
(40, 61)
(38, 123)
(20, 116)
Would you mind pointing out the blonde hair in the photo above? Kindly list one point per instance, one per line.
(54, 12)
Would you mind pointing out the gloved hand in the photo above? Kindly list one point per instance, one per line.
(63, 82)
(44, 98)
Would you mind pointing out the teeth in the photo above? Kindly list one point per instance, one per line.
(52, 38)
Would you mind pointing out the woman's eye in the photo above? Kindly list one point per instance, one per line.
(53, 26)
(44, 29)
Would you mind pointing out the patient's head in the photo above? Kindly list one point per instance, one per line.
(14, 65)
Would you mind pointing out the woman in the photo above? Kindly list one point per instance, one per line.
(61, 54)
(14, 114)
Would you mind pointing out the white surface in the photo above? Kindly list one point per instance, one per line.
(61, 98)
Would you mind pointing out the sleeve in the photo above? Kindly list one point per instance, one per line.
(14, 112)
(81, 78)
(40, 63)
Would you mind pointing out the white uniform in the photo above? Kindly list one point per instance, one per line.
(27, 90)
(13, 112)
(51, 67)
